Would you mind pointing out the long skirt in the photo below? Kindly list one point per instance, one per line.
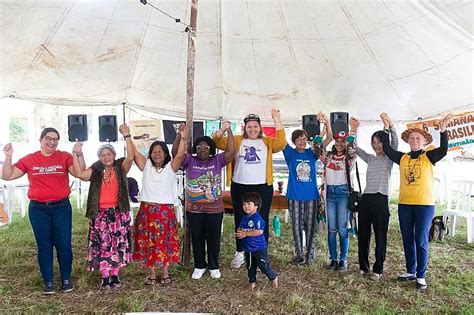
(156, 236)
(110, 243)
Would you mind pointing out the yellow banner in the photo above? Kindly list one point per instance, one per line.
(460, 131)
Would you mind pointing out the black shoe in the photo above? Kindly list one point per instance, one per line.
(48, 288)
(421, 286)
(297, 260)
(66, 286)
(406, 277)
(105, 284)
(342, 266)
(115, 282)
(333, 265)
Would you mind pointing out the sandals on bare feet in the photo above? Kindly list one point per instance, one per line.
(165, 280)
(150, 281)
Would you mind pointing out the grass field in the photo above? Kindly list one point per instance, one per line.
(302, 289)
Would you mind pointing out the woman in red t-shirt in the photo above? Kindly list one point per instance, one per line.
(49, 210)
(108, 209)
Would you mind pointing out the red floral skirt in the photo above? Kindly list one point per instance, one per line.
(156, 236)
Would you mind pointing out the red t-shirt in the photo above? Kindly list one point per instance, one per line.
(48, 175)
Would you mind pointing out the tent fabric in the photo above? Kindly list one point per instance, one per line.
(410, 58)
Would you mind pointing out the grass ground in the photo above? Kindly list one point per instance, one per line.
(302, 289)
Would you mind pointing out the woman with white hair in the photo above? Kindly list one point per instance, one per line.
(108, 209)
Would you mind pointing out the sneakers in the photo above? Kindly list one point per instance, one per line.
(197, 274)
(342, 266)
(406, 277)
(115, 282)
(66, 286)
(374, 276)
(297, 260)
(238, 260)
(105, 284)
(48, 288)
(215, 273)
(332, 266)
(421, 284)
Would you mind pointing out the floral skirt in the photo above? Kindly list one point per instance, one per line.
(110, 243)
(156, 236)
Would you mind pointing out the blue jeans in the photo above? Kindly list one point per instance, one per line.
(259, 259)
(415, 222)
(338, 220)
(52, 226)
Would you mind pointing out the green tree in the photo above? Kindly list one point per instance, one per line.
(17, 130)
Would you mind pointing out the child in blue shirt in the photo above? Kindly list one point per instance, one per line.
(251, 231)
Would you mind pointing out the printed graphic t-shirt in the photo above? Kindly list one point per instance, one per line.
(250, 223)
(251, 163)
(48, 175)
(203, 184)
(302, 174)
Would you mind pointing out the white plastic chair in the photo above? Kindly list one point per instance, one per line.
(460, 201)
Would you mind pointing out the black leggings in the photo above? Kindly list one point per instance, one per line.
(266, 193)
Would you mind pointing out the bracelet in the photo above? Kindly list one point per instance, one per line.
(127, 136)
(78, 155)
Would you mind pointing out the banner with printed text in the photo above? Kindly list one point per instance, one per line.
(460, 131)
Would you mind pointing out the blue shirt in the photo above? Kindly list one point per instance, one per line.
(301, 174)
(250, 223)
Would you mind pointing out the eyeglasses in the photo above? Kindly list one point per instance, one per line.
(251, 117)
(49, 139)
(203, 147)
(302, 139)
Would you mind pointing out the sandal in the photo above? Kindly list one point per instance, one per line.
(165, 280)
(150, 281)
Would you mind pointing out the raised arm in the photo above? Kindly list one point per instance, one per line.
(219, 139)
(9, 172)
(180, 154)
(127, 163)
(440, 152)
(139, 159)
(79, 169)
(388, 126)
(230, 148)
(326, 130)
(280, 140)
(392, 154)
(174, 148)
(354, 123)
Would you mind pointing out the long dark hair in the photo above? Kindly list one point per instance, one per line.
(377, 135)
(165, 149)
(210, 143)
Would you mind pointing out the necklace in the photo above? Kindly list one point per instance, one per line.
(107, 177)
(411, 174)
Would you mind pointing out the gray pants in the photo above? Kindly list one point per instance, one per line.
(304, 218)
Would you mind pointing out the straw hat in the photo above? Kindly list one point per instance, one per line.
(425, 134)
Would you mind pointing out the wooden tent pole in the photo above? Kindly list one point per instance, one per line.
(189, 111)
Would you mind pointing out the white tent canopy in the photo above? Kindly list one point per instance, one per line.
(412, 59)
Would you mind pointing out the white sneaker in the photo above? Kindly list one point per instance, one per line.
(238, 260)
(215, 273)
(197, 274)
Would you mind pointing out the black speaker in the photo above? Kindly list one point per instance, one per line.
(311, 126)
(77, 127)
(339, 122)
(108, 128)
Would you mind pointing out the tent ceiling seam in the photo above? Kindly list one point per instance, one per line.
(254, 57)
(293, 54)
(371, 53)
